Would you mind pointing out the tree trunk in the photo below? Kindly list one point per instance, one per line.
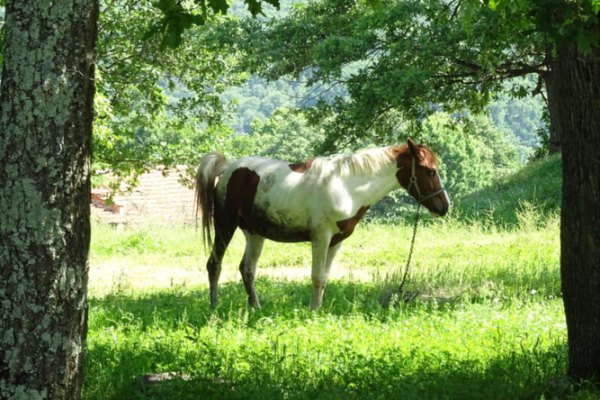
(46, 113)
(574, 99)
(554, 141)
(554, 133)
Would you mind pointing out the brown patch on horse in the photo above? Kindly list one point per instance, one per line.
(427, 158)
(241, 191)
(347, 226)
(301, 167)
(403, 176)
(404, 155)
(397, 151)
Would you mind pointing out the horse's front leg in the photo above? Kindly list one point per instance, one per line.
(331, 252)
(320, 266)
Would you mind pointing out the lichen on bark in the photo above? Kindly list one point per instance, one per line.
(46, 121)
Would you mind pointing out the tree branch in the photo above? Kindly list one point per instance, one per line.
(538, 86)
(505, 71)
(455, 10)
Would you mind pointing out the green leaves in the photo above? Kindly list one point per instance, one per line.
(376, 4)
(175, 21)
(469, 161)
(557, 20)
(286, 136)
(154, 105)
(255, 7)
(399, 63)
(176, 18)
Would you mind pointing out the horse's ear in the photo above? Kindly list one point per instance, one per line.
(414, 151)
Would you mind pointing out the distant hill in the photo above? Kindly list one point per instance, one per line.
(538, 183)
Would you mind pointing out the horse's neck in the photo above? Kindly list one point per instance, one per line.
(368, 189)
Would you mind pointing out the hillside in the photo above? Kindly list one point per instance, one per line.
(537, 184)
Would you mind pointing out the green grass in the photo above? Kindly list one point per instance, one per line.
(488, 322)
(539, 184)
(426, 350)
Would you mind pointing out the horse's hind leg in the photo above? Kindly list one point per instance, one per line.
(254, 246)
(224, 231)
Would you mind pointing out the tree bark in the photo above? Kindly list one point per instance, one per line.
(554, 146)
(555, 134)
(574, 100)
(46, 113)
(554, 104)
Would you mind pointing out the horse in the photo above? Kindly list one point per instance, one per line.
(319, 201)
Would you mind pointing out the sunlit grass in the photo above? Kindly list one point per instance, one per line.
(488, 322)
(450, 257)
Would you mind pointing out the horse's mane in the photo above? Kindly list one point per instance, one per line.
(364, 162)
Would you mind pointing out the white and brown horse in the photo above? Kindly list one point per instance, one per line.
(318, 201)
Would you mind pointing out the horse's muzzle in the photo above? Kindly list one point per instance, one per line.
(439, 210)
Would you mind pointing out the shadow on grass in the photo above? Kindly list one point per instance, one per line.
(285, 299)
(520, 375)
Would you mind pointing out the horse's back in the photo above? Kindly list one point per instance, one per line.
(265, 172)
(272, 199)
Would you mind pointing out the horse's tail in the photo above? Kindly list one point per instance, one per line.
(211, 166)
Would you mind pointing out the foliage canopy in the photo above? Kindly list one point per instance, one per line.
(155, 105)
(408, 59)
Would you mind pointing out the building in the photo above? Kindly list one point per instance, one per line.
(160, 198)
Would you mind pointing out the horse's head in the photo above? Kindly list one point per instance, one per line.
(419, 175)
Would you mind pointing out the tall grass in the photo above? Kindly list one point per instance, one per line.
(488, 322)
(539, 183)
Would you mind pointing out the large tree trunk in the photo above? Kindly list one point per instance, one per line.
(554, 146)
(46, 112)
(574, 97)
(554, 133)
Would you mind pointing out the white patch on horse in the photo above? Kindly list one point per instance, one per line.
(445, 191)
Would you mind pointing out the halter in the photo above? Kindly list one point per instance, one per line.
(413, 180)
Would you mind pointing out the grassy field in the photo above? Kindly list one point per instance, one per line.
(487, 322)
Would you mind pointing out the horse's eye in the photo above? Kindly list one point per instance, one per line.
(431, 173)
